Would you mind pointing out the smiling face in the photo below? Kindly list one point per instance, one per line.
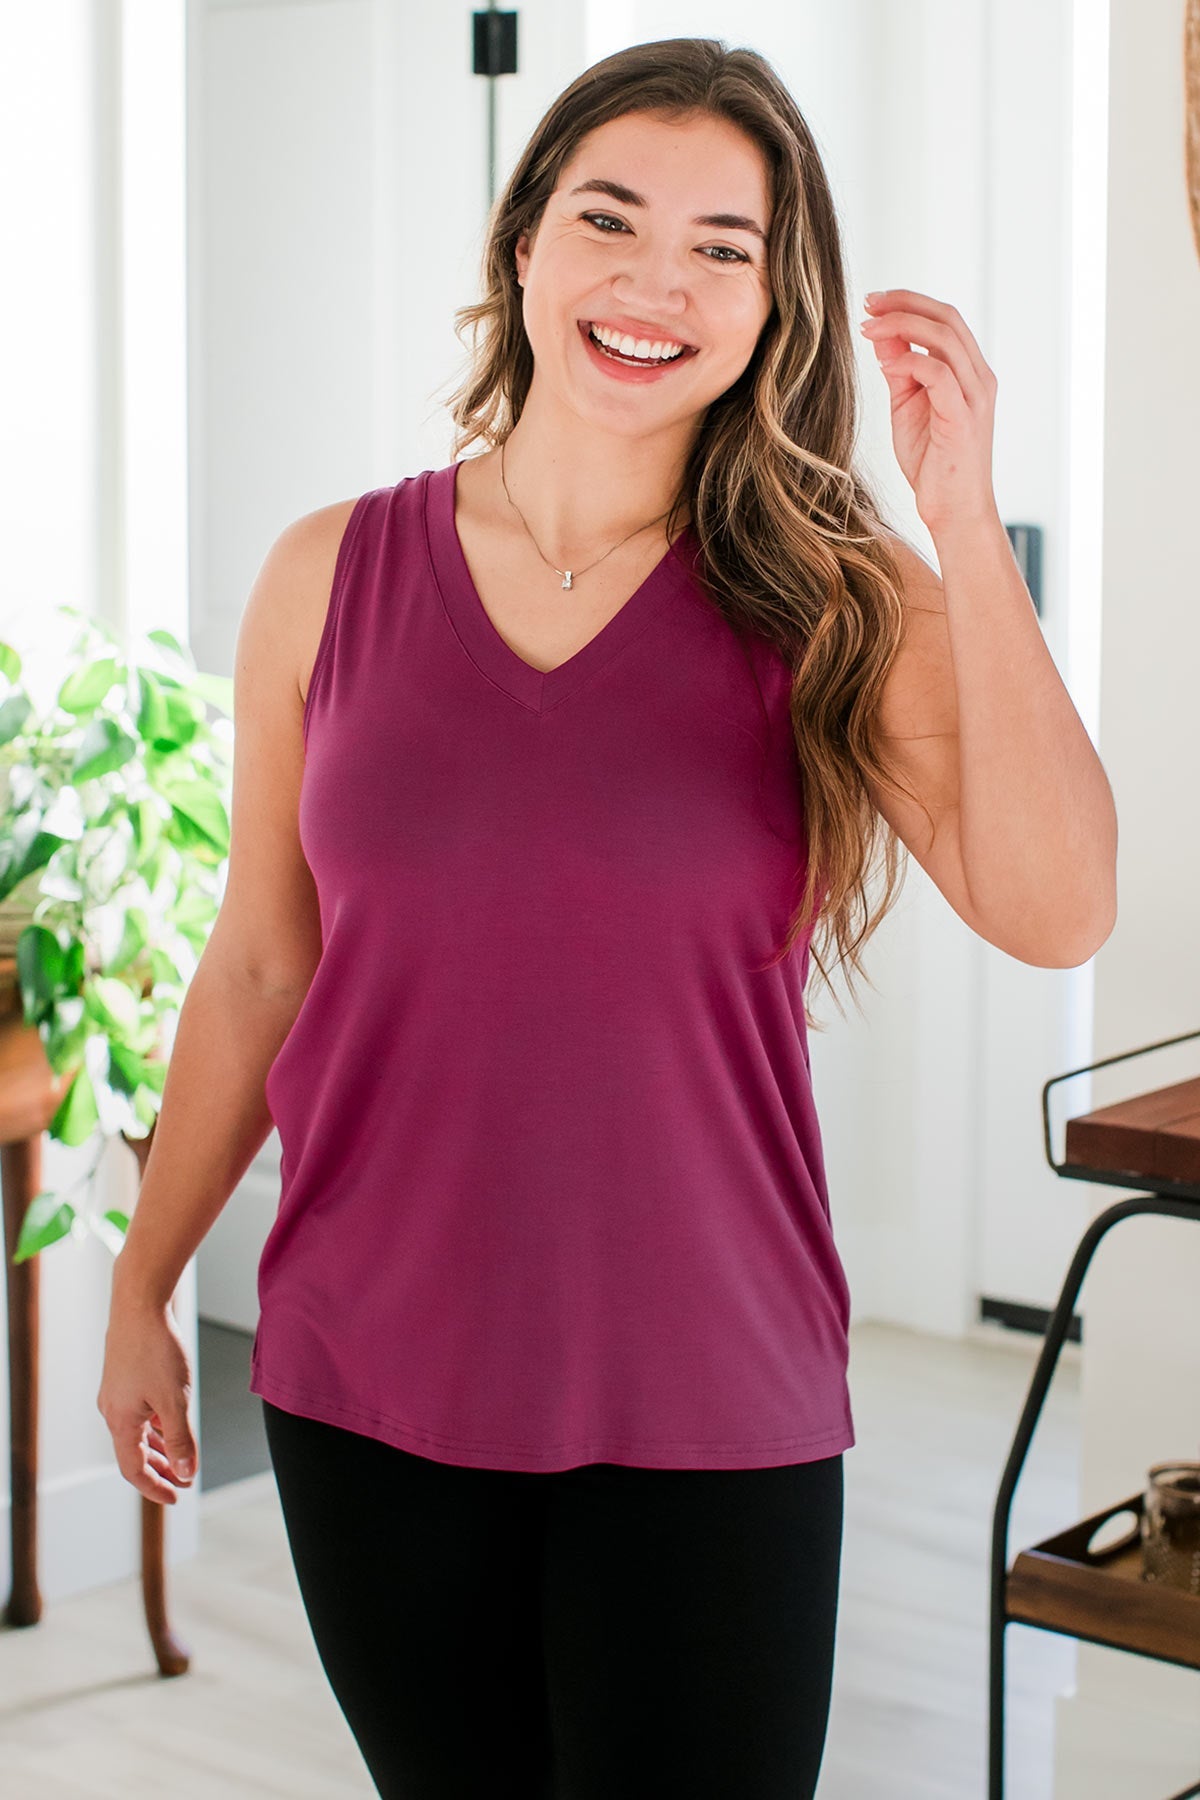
(670, 252)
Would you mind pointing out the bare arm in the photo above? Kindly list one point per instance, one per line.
(264, 945)
(1036, 880)
(240, 1005)
(213, 1121)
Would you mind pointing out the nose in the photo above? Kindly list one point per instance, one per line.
(647, 302)
(655, 291)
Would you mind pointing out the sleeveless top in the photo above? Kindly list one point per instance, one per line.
(552, 1188)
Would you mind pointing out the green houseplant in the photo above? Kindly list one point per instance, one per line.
(114, 842)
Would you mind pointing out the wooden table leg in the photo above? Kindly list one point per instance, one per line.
(20, 1178)
(170, 1652)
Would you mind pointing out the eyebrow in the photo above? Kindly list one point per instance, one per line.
(616, 190)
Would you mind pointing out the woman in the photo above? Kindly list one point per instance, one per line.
(601, 725)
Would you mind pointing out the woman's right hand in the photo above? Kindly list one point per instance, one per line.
(144, 1395)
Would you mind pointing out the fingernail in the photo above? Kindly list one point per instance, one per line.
(872, 298)
(184, 1466)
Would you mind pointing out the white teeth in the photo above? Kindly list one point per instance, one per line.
(641, 347)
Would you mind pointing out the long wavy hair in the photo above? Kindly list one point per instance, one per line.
(793, 538)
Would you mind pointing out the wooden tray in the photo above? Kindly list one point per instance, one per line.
(1058, 1586)
(1154, 1136)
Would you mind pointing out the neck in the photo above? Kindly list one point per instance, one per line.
(581, 506)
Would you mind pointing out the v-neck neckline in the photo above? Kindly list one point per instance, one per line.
(492, 655)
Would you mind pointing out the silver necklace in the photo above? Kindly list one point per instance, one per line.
(568, 575)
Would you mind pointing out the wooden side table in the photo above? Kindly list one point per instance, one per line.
(1060, 1585)
(30, 1095)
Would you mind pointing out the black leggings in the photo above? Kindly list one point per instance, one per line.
(498, 1634)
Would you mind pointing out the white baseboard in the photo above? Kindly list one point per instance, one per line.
(89, 1533)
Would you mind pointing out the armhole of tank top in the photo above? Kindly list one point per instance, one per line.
(333, 607)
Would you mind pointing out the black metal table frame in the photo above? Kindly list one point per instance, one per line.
(1176, 1199)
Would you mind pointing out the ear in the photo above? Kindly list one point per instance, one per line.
(521, 253)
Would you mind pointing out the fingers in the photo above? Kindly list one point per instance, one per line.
(898, 330)
(139, 1473)
(158, 1454)
(143, 1461)
(178, 1443)
(145, 1393)
(935, 325)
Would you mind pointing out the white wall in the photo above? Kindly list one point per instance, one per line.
(1134, 1725)
(291, 373)
(92, 514)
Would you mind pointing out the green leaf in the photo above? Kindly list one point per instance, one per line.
(126, 1069)
(84, 688)
(104, 747)
(76, 966)
(165, 970)
(193, 844)
(135, 933)
(152, 709)
(65, 1033)
(146, 820)
(37, 854)
(144, 1107)
(41, 971)
(10, 662)
(193, 916)
(216, 689)
(193, 909)
(15, 713)
(172, 643)
(78, 1115)
(47, 1219)
(185, 714)
(166, 763)
(151, 867)
(198, 805)
(107, 1228)
(154, 1075)
(113, 1004)
(111, 1103)
(60, 884)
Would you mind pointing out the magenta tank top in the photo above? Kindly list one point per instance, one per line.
(552, 1187)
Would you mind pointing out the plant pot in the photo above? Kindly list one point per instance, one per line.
(30, 1092)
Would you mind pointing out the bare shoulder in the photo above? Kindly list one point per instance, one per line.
(307, 552)
(269, 920)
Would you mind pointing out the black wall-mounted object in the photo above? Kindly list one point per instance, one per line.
(1016, 1317)
(494, 43)
(493, 53)
(1026, 541)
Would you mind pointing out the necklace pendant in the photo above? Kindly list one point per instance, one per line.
(566, 575)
